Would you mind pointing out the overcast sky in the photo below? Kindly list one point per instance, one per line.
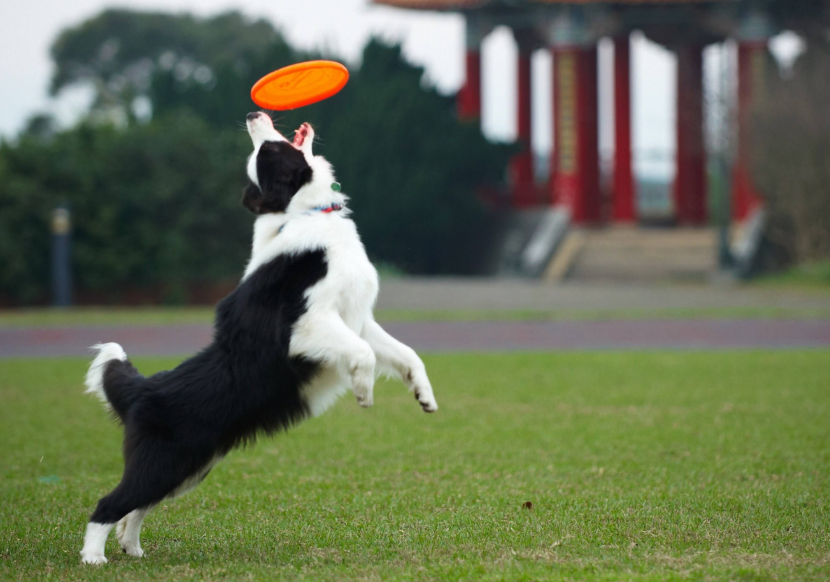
(436, 41)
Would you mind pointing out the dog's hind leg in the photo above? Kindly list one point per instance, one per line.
(111, 509)
(148, 478)
(95, 540)
(401, 361)
(128, 531)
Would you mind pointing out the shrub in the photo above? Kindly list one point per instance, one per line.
(791, 158)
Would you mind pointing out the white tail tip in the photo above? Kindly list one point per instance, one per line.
(95, 376)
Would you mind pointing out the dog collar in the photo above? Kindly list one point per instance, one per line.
(333, 207)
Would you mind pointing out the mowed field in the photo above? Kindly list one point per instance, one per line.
(639, 466)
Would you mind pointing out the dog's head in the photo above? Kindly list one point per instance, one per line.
(278, 168)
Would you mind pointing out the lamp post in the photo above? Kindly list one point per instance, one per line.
(61, 254)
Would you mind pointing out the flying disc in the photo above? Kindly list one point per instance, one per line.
(299, 85)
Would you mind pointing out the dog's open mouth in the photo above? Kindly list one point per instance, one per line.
(300, 134)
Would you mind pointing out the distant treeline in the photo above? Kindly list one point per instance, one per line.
(154, 172)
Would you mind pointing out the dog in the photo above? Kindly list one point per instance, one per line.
(296, 334)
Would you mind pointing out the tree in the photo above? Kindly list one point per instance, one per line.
(791, 158)
(810, 18)
(175, 59)
(410, 167)
(155, 208)
(157, 204)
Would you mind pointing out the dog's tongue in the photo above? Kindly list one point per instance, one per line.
(300, 135)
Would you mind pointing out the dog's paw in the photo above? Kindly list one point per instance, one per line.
(128, 546)
(364, 398)
(363, 379)
(363, 388)
(93, 558)
(423, 392)
(133, 550)
(427, 402)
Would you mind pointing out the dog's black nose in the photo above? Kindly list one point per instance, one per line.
(252, 115)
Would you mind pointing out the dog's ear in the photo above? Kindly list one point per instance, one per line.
(274, 200)
(252, 198)
(301, 176)
(282, 170)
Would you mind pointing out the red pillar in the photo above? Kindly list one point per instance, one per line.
(469, 97)
(751, 65)
(690, 182)
(623, 197)
(576, 141)
(521, 166)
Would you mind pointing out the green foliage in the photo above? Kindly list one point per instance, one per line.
(667, 466)
(808, 17)
(152, 205)
(157, 204)
(120, 50)
(410, 168)
(24, 228)
(791, 159)
(813, 276)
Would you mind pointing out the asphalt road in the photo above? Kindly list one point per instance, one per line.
(517, 294)
(477, 336)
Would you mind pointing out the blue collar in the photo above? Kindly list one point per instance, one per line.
(333, 207)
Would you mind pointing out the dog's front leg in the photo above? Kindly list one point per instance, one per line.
(401, 361)
(325, 337)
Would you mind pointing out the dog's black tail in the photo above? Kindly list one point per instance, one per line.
(113, 379)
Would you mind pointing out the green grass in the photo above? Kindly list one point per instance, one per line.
(808, 277)
(640, 466)
(44, 317)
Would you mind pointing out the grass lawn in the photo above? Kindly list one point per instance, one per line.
(46, 317)
(807, 277)
(640, 466)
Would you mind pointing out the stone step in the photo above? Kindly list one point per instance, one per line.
(632, 254)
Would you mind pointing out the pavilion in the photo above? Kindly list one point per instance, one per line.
(571, 30)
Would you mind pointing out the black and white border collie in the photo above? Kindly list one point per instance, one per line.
(296, 333)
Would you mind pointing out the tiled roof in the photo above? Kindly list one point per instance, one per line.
(431, 4)
(464, 4)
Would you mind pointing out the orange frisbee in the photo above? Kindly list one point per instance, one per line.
(299, 85)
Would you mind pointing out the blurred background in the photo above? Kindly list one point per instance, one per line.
(604, 225)
(534, 145)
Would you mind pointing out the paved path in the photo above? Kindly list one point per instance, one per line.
(484, 336)
(500, 294)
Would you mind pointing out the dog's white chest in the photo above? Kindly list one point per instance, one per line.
(350, 286)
